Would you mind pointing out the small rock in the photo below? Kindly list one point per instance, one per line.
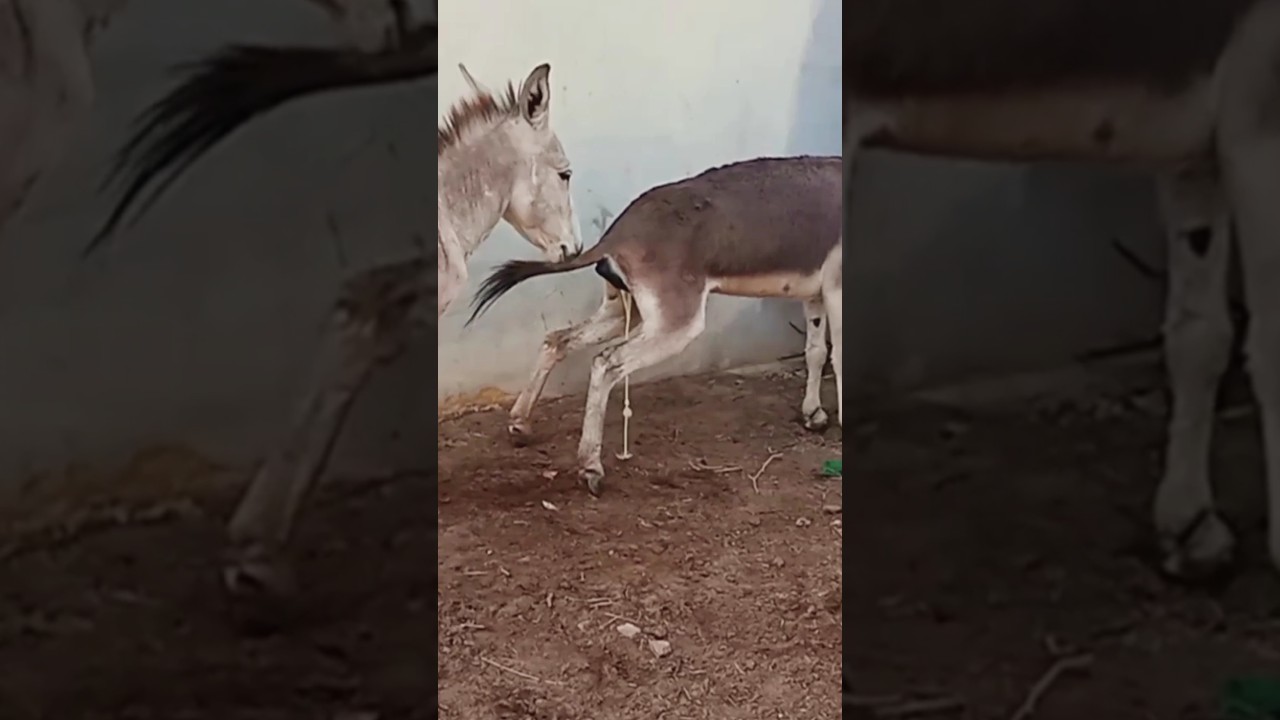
(627, 630)
(660, 648)
(753, 521)
(778, 562)
(549, 506)
(803, 522)
(658, 631)
(833, 509)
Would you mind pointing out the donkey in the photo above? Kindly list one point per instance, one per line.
(763, 228)
(1187, 89)
(497, 158)
(47, 86)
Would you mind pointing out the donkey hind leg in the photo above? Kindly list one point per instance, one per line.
(815, 358)
(1252, 175)
(369, 327)
(833, 300)
(672, 322)
(1198, 341)
(608, 321)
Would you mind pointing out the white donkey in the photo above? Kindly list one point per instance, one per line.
(47, 85)
(497, 158)
(768, 227)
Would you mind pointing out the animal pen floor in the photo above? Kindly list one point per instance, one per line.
(989, 539)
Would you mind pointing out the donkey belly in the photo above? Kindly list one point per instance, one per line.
(797, 286)
(1120, 124)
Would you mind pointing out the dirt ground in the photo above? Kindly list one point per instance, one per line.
(735, 568)
(997, 537)
(993, 537)
(117, 612)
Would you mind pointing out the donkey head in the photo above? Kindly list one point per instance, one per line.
(540, 207)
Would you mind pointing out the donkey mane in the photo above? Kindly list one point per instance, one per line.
(470, 113)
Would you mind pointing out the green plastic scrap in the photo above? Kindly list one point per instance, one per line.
(1251, 698)
(831, 468)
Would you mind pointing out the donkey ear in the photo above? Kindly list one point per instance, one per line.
(535, 97)
(476, 86)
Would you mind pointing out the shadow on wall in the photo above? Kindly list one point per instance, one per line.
(816, 121)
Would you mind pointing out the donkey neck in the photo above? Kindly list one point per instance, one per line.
(475, 181)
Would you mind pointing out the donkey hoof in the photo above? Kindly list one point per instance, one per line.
(519, 433)
(816, 420)
(259, 579)
(594, 478)
(1204, 555)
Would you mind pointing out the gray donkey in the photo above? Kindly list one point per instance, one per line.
(764, 228)
(1187, 89)
(497, 158)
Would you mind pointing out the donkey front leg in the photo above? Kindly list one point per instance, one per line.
(369, 326)
(1252, 175)
(815, 358)
(673, 321)
(833, 299)
(1198, 343)
(608, 322)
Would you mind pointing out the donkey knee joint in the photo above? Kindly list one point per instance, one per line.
(556, 344)
(603, 367)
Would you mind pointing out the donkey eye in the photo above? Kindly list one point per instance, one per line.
(566, 175)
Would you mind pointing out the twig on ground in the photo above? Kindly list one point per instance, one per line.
(611, 618)
(511, 670)
(701, 465)
(755, 479)
(1046, 682)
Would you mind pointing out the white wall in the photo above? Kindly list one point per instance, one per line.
(643, 93)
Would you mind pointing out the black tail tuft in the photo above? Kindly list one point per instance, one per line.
(223, 93)
(501, 281)
(228, 89)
